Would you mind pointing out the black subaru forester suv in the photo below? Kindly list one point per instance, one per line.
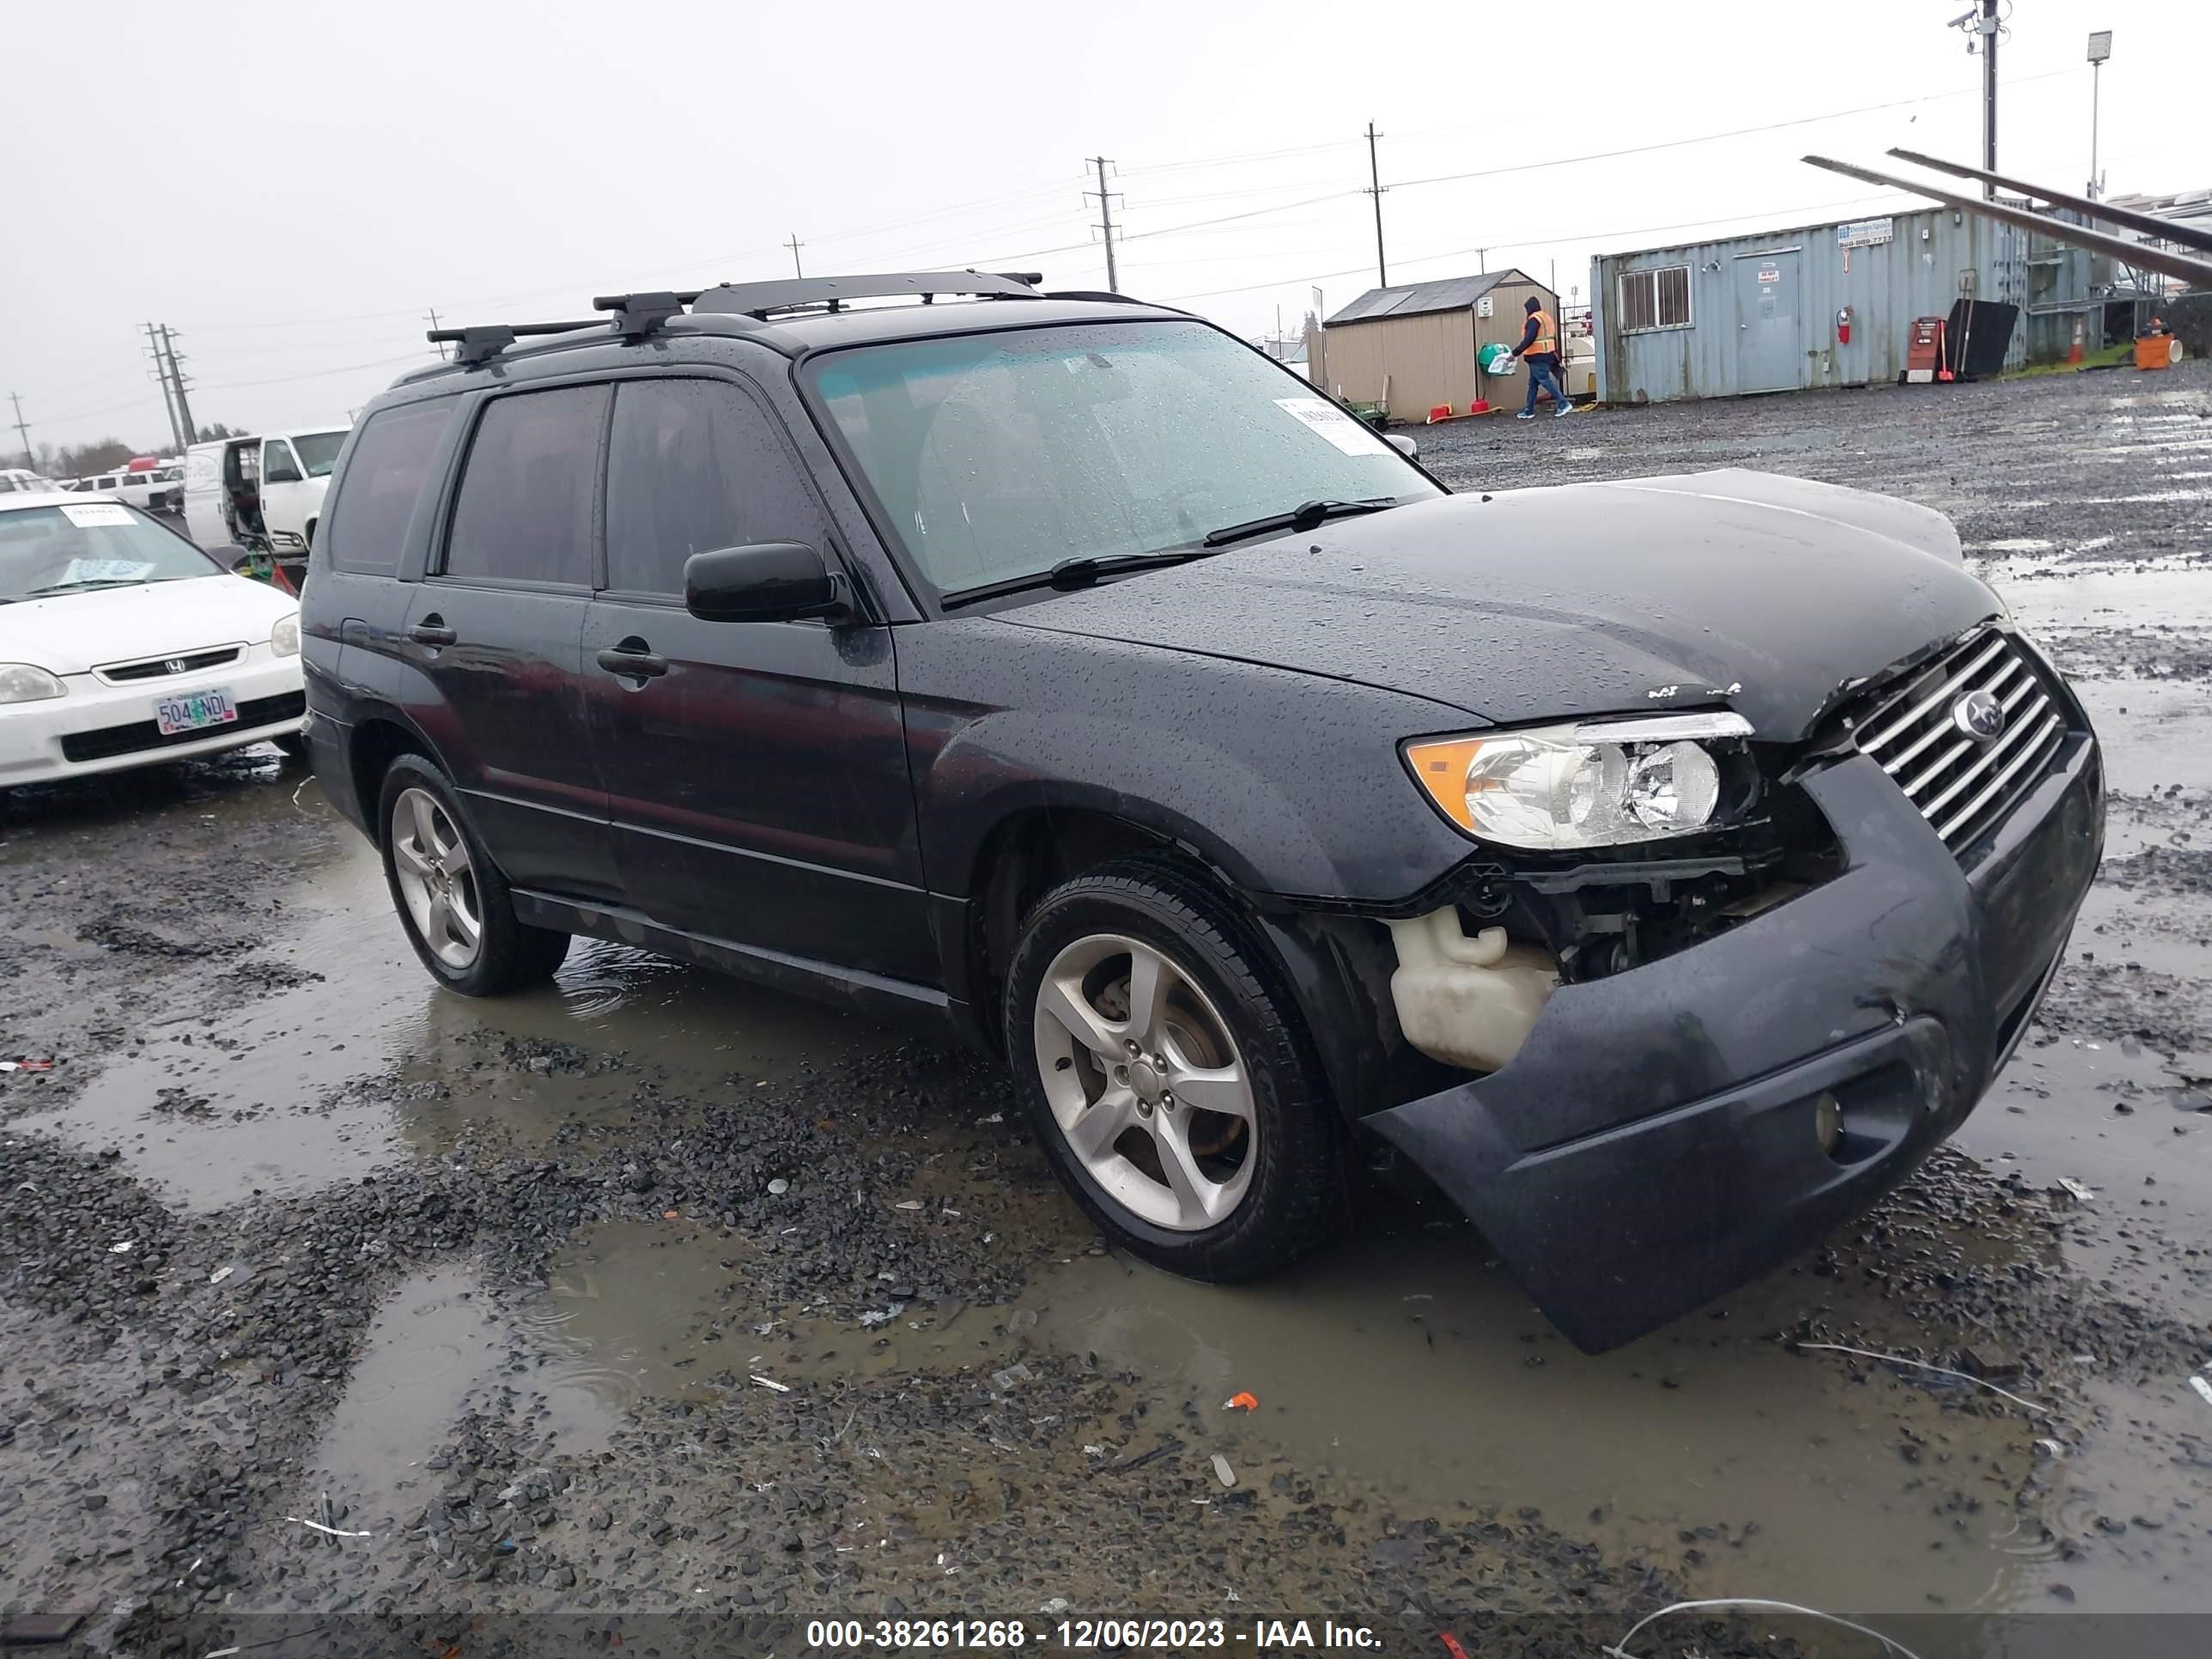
(1664, 867)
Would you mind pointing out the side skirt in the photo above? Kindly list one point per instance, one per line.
(893, 999)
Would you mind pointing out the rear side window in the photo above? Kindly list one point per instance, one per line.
(365, 531)
(693, 465)
(524, 510)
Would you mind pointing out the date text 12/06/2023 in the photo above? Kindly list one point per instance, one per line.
(1007, 1635)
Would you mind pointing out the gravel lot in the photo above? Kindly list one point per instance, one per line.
(654, 1312)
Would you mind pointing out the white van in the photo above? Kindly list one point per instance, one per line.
(263, 493)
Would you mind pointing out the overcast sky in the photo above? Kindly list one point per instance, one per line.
(293, 186)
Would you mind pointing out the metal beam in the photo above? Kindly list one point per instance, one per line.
(2195, 272)
(2149, 223)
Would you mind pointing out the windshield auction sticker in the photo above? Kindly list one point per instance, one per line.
(1332, 422)
(91, 515)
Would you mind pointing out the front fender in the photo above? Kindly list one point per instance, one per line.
(1290, 784)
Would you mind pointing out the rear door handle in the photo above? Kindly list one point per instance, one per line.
(431, 630)
(633, 660)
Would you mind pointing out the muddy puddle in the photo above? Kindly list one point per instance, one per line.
(439, 1346)
(1401, 1362)
(347, 1058)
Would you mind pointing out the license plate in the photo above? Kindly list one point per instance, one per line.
(194, 711)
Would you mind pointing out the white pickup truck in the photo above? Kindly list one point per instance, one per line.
(263, 493)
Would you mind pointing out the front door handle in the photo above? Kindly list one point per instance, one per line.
(431, 630)
(633, 659)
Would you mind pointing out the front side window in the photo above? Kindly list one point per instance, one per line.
(693, 465)
(318, 451)
(75, 548)
(996, 456)
(525, 509)
(277, 466)
(364, 530)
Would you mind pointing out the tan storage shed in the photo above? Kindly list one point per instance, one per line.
(1413, 347)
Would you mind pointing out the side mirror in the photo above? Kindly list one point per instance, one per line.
(1404, 444)
(766, 581)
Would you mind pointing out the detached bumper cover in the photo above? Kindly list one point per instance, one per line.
(1653, 1144)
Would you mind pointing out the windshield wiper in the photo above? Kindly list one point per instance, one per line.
(1306, 515)
(1070, 573)
(97, 582)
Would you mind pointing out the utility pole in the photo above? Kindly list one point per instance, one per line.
(164, 372)
(1981, 26)
(1105, 219)
(1374, 189)
(2101, 48)
(191, 432)
(795, 245)
(1990, 27)
(22, 430)
(438, 346)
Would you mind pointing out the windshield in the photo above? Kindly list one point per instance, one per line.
(319, 451)
(998, 456)
(74, 547)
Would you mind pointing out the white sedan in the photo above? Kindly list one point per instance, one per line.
(122, 644)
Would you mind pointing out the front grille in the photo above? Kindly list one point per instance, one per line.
(1963, 785)
(155, 668)
(111, 740)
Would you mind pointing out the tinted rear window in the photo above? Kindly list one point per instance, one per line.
(693, 465)
(365, 531)
(525, 512)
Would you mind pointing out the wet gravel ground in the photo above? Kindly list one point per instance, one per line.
(656, 1312)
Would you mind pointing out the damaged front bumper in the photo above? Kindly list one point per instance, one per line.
(1659, 1137)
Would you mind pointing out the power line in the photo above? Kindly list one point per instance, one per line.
(1700, 138)
(1105, 219)
(1532, 241)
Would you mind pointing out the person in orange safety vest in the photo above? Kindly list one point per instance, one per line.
(1539, 349)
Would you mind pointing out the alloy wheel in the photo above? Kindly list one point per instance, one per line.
(430, 859)
(1145, 1082)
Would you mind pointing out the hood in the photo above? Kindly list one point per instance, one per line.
(1761, 593)
(73, 632)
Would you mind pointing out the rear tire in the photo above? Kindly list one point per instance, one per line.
(451, 900)
(1168, 1077)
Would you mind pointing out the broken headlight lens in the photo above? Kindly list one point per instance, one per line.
(21, 682)
(1606, 783)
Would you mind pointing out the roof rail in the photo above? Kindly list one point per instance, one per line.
(760, 300)
(638, 315)
(1099, 296)
(482, 343)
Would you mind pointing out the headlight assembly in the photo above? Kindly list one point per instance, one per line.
(1593, 783)
(285, 638)
(21, 682)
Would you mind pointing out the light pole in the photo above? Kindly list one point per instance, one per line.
(2101, 48)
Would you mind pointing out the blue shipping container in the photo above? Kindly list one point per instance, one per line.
(1760, 314)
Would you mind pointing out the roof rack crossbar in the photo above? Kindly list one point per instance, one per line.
(637, 315)
(761, 300)
(482, 342)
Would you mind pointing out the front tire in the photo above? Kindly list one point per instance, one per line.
(1167, 1077)
(451, 900)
